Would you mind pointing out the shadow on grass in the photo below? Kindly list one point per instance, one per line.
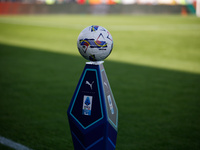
(158, 108)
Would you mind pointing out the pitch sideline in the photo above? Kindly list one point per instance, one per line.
(12, 144)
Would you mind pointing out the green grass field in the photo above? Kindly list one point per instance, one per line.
(154, 72)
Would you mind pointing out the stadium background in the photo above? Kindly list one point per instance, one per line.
(98, 6)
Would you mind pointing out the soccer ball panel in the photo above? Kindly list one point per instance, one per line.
(95, 43)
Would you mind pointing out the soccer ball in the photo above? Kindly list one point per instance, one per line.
(95, 43)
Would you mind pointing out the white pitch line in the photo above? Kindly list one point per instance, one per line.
(12, 144)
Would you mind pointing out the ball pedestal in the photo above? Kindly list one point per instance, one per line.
(93, 113)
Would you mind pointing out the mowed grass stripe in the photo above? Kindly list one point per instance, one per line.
(170, 42)
(122, 27)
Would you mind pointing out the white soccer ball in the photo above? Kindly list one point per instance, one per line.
(95, 43)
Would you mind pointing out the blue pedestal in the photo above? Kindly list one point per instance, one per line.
(93, 113)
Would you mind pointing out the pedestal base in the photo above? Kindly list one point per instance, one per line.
(93, 113)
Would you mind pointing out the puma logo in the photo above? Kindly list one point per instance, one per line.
(90, 84)
(105, 84)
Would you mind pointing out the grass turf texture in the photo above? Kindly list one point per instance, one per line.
(154, 72)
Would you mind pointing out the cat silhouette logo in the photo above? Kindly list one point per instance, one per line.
(87, 105)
